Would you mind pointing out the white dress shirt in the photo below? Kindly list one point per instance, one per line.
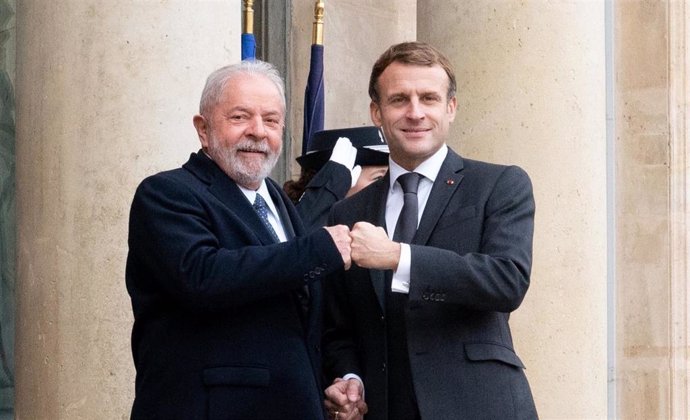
(273, 217)
(429, 169)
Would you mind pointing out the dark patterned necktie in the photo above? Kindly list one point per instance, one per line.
(262, 210)
(407, 221)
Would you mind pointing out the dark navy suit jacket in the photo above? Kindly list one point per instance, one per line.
(470, 267)
(218, 330)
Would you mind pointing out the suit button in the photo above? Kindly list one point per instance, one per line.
(383, 367)
(383, 318)
(317, 348)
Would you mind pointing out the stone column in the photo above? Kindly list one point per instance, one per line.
(653, 216)
(106, 93)
(531, 89)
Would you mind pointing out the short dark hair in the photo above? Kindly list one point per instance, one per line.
(413, 53)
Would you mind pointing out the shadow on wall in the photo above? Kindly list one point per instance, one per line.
(7, 217)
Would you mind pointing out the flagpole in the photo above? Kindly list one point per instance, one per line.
(314, 107)
(248, 40)
(247, 16)
(317, 28)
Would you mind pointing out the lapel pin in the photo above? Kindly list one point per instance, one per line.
(450, 181)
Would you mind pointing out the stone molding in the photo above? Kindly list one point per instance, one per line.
(679, 93)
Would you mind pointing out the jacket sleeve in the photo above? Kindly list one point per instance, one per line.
(179, 250)
(496, 274)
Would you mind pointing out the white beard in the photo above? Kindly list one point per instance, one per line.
(244, 172)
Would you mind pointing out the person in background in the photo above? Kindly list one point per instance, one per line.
(338, 164)
(442, 254)
(224, 281)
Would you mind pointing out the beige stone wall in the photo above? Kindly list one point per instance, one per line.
(107, 91)
(531, 88)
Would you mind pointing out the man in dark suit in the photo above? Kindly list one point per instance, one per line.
(226, 293)
(442, 251)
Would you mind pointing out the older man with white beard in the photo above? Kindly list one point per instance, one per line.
(225, 285)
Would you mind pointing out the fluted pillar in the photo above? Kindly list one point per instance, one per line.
(106, 92)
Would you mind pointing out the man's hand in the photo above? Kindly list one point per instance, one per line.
(371, 247)
(344, 400)
(341, 237)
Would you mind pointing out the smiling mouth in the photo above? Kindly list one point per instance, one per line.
(415, 130)
(253, 151)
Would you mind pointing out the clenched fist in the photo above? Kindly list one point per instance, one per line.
(371, 247)
(342, 240)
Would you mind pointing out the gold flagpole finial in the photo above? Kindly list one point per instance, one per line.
(317, 29)
(247, 16)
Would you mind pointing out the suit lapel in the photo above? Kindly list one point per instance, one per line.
(447, 182)
(230, 194)
(283, 213)
(226, 190)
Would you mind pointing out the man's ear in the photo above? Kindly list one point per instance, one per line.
(202, 130)
(375, 112)
(452, 107)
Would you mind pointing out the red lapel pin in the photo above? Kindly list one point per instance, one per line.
(450, 181)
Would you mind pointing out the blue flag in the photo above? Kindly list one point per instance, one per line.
(313, 98)
(248, 47)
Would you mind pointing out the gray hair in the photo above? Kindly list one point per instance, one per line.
(218, 80)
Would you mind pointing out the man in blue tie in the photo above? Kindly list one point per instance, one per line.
(224, 281)
(441, 251)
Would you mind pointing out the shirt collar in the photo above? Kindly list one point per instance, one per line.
(263, 190)
(429, 168)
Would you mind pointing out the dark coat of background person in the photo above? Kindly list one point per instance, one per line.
(323, 182)
(219, 331)
(328, 186)
(471, 263)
